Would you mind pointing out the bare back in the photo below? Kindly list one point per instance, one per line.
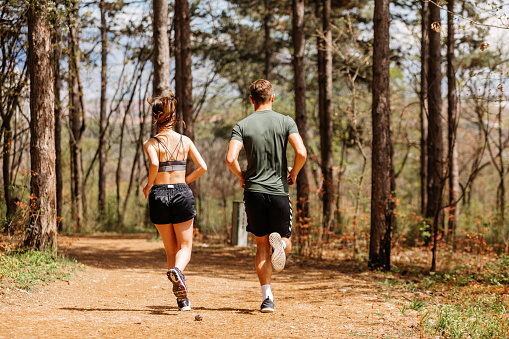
(176, 147)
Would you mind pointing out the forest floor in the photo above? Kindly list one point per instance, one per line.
(123, 292)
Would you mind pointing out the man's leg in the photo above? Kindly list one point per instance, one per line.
(280, 218)
(264, 271)
(262, 260)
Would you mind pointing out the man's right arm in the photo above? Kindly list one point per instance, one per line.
(231, 159)
(300, 156)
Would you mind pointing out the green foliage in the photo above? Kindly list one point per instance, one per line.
(416, 305)
(497, 272)
(479, 317)
(26, 269)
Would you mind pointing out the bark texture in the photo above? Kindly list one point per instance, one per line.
(42, 231)
(103, 109)
(76, 119)
(186, 84)
(425, 28)
(452, 112)
(161, 83)
(325, 112)
(267, 45)
(381, 212)
(435, 142)
(57, 55)
(299, 83)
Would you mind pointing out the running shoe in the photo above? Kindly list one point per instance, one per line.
(267, 306)
(179, 286)
(184, 304)
(278, 256)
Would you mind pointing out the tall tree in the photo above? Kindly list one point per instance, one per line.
(178, 59)
(324, 42)
(76, 117)
(381, 212)
(42, 231)
(299, 86)
(451, 126)
(267, 45)
(103, 109)
(425, 27)
(435, 143)
(57, 55)
(161, 83)
(500, 167)
(183, 20)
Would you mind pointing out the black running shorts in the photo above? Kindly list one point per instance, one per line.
(267, 213)
(171, 204)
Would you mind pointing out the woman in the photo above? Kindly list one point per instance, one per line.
(170, 199)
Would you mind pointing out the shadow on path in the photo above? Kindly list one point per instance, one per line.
(133, 251)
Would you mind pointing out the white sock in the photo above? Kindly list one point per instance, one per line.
(266, 292)
(284, 244)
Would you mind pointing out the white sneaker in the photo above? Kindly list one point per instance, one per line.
(278, 256)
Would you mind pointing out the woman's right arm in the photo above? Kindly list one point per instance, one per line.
(201, 166)
(149, 149)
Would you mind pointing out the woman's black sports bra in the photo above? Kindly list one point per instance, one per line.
(171, 164)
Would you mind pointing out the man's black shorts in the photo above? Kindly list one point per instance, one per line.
(171, 204)
(267, 213)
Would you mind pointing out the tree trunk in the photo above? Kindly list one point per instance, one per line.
(184, 21)
(325, 113)
(381, 213)
(425, 28)
(452, 123)
(178, 61)
(501, 185)
(57, 55)
(435, 143)
(42, 231)
(161, 84)
(186, 80)
(267, 45)
(76, 119)
(299, 83)
(6, 165)
(102, 114)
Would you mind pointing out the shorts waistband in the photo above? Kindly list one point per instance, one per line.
(178, 187)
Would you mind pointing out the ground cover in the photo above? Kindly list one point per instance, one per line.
(122, 291)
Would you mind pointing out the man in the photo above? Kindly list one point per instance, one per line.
(265, 135)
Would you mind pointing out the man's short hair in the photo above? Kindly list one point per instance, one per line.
(261, 91)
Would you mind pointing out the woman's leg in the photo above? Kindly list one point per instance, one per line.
(167, 234)
(184, 236)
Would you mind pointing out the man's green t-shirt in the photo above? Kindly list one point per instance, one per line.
(265, 137)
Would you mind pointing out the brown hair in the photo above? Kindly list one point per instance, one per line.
(164, 111)
(261, 91)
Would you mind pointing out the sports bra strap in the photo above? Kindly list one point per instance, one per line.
(170, 155)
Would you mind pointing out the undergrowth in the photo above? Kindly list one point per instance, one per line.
(471, 316)
(461, 303)
(27, 269)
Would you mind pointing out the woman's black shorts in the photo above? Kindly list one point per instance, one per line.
(171, 204)
(267, 213)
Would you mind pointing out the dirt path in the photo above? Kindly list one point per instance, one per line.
(124, 293)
